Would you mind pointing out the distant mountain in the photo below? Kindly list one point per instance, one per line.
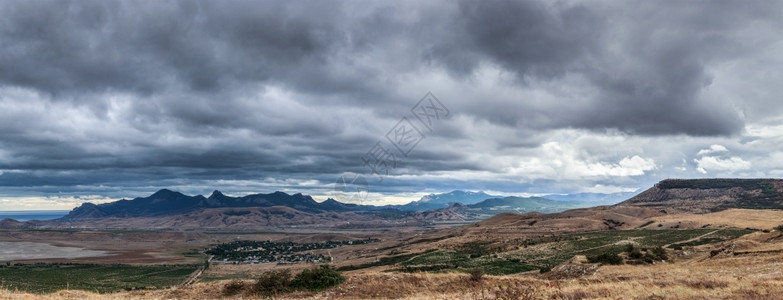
(166, 202)
(438, 201)
(525, 204)
(710, 195)
(596, 198)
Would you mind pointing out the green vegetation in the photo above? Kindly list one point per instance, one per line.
(392, 214)
(281, 252)
(560, 248)
(476, 274)
(544, 252)
(317, 279)
(47, 278)
(717, 237)
(605, 258)
(384, 261)
(274, 283)
(460, 261)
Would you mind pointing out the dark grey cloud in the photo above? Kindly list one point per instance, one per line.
(143, 94)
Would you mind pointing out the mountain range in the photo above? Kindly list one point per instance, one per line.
(282, 209)
(166, 202)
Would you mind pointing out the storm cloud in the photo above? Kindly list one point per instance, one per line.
(119, 98)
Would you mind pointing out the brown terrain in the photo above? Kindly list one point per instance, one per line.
(747, 267)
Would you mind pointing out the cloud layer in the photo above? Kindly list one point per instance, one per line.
(118, 98)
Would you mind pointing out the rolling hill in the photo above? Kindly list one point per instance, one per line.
(710, 195)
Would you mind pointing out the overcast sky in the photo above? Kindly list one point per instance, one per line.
(103, 100)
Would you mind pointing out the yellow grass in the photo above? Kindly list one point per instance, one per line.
(741, 218)
(694, 277)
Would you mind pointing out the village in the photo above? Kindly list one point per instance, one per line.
(256, 252)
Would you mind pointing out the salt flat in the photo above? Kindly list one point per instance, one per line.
(29, 250)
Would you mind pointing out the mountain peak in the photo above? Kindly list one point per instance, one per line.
(216, 194)
(164, 193)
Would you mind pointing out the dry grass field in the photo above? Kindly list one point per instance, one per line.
(748, 267)
(753, 218)
(698, 276)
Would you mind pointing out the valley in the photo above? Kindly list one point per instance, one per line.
(595, 252)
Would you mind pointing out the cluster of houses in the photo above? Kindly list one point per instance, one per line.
(257, 252)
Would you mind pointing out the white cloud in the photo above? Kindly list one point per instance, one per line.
(608, 189)
(713, 149)
(50, 202)
(717, 164)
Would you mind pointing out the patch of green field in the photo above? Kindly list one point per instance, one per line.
(251, 232)
(558, 249)
(457, 261)
(96, 278)
(717, 237)
(383, 261)
(210, 278)
(545, 252)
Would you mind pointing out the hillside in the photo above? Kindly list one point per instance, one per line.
(710, 195)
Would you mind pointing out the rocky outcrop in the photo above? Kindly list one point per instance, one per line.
(710, 195)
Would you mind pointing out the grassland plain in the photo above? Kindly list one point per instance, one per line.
(715, 263)
(695, 277)
(40, 278)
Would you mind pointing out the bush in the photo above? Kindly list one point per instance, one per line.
(233, 288)
(606, 258)
(714, 252)
(273, 283)
(660, 253)
(779, 228)
(317, 279)
(476, 274)
(635, 254)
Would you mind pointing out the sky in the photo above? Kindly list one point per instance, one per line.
(102, 100)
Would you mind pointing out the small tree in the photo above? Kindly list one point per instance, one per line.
(273, 283)
(660, 253)
(318, 278)
(233, 288)
(476, 274)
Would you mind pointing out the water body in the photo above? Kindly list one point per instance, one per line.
(27, 215)
(28, 250)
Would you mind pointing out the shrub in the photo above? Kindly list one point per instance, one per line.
(606, 258)
(318, 278)
(273, 283)
(779, 228)
(714, 252)
(660, 253)
(476, 274)
(233, 288)
(635, 254)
